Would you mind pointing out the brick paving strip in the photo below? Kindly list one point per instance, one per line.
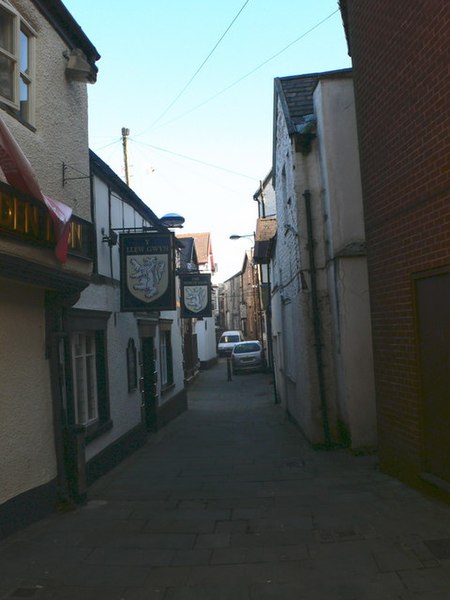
(229, 502)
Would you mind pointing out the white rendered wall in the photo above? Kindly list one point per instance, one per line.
(60, 119)
(125, 406)
(206, 339)
(26, 416)
(291, 282)
(347, 276)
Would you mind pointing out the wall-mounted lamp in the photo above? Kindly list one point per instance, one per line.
(172, 220)
(110, 239)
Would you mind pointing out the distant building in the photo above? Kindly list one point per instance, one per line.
(205, 328)
(189, 264)
(231, 293)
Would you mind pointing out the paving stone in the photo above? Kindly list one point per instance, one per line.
(136, 557)
(208, 592)
(214, 540)
(247, 573)
(175, 525)
(313, 588)
(439, 548)
(259, 554)
(228, 502)
(195, 556)
(426, 580)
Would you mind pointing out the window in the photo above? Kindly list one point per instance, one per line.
(87, 375)
(16, 62)
(165, 352)
(84, 377)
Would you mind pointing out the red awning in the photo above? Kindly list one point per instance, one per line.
(19, 174)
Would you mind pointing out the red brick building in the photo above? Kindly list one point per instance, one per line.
(401, 56)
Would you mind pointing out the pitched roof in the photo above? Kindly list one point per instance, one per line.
(296, 95)
(188, 255)
(99, 167)
(69, 30)
(203, 247)
(266, 230)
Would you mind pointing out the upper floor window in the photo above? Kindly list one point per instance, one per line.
(16, 62)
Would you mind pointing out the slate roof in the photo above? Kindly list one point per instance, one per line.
(296, 95)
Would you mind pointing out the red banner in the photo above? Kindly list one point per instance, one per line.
(19, 174)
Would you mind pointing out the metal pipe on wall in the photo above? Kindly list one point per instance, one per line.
(316, 320)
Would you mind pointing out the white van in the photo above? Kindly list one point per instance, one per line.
(227, 342)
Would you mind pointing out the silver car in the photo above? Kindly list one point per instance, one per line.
(247, 356)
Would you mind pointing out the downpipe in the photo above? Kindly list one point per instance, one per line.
(317, 321)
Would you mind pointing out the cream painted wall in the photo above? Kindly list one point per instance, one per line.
(27, 440)
(60, 119)
(347, 276)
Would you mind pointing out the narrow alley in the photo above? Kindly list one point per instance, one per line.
(229, 502)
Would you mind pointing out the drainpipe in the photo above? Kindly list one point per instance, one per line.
(316, 321)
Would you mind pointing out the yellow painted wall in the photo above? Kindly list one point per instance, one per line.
(27, 454)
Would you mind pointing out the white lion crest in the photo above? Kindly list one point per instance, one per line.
(195, 298)
(148, 274)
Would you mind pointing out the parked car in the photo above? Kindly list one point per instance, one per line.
(247, 356)
(227, 342)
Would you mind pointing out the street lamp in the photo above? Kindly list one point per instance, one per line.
(235, 236)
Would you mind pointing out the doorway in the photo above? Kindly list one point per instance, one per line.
(149, 378)
(433, 301)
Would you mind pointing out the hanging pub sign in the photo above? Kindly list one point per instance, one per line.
(196, 295)
(147, 271)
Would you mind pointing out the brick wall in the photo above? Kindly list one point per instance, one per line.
(400, 53)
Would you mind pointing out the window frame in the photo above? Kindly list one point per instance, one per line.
(83, 350)
(20, 26)
(93, 323)
(132, 366)
(166, 356)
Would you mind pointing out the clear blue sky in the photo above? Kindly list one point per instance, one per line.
(150, 52)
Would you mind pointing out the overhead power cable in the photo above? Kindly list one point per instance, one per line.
(202, 162)
(181, 92)
(252, 71)
(116, 141)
